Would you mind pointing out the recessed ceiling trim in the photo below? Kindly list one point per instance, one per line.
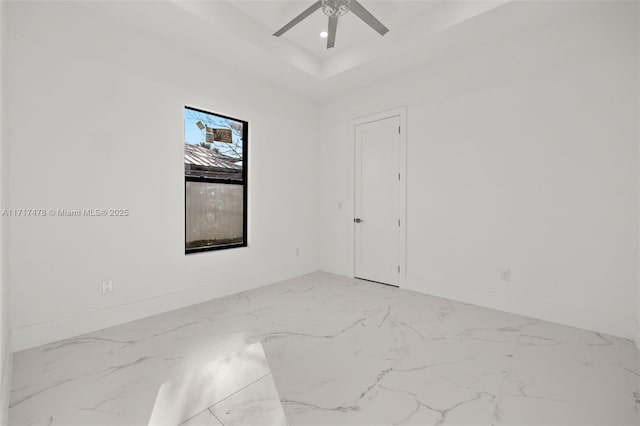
(442, 16)
(234, 33)
(233, 23)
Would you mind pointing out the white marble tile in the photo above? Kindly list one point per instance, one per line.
(203, 386)
(445, 375)
(205, 418)
(256, 405)
(116, 387)
(566, 376)
(527, 411)
(343, 352)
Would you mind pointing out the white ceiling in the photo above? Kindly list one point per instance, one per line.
(351, 30)
(239, 33)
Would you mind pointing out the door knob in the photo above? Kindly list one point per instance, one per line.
(357, 220)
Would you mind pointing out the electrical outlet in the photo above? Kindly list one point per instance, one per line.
(505, 274)
(107, 286)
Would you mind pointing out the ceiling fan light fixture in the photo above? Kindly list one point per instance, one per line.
(335, 8)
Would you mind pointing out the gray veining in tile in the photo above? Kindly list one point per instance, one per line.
(342, 352)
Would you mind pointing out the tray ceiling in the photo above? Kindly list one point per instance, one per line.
(238, 33)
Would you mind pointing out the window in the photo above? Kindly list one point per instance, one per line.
(215, 174)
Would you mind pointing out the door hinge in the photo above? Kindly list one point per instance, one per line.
(398, 268)
(398, 222)
(398, 129)
(398, 176)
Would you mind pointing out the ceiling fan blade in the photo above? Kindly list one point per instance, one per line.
(367, 17)
(315, 6)
(333, 27)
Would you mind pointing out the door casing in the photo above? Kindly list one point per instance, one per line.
(402, 199)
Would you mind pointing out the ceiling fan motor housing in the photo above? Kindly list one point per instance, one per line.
(335, 8)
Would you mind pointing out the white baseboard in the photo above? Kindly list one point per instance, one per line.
(572, 316)
(51, 331)
(39, 334)
(5, 386)
(615, 325)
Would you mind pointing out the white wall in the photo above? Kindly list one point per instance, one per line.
(637, 339)
(5, 333)
(522, 153)
(96, 113)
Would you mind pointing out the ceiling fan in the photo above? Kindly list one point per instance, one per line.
(334, 9)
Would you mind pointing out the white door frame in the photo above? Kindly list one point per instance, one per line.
(402, 208)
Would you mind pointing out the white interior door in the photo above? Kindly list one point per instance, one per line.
(377, 191)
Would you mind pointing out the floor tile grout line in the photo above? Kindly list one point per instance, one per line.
(192, 417)
(223, 399)
(214, 416)
(236, 392)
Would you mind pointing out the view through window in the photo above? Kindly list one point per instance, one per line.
(215, 157)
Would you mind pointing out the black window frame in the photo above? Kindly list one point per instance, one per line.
(244, 183)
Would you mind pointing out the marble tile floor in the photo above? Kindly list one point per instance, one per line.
(235, 389)
(342, 352)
